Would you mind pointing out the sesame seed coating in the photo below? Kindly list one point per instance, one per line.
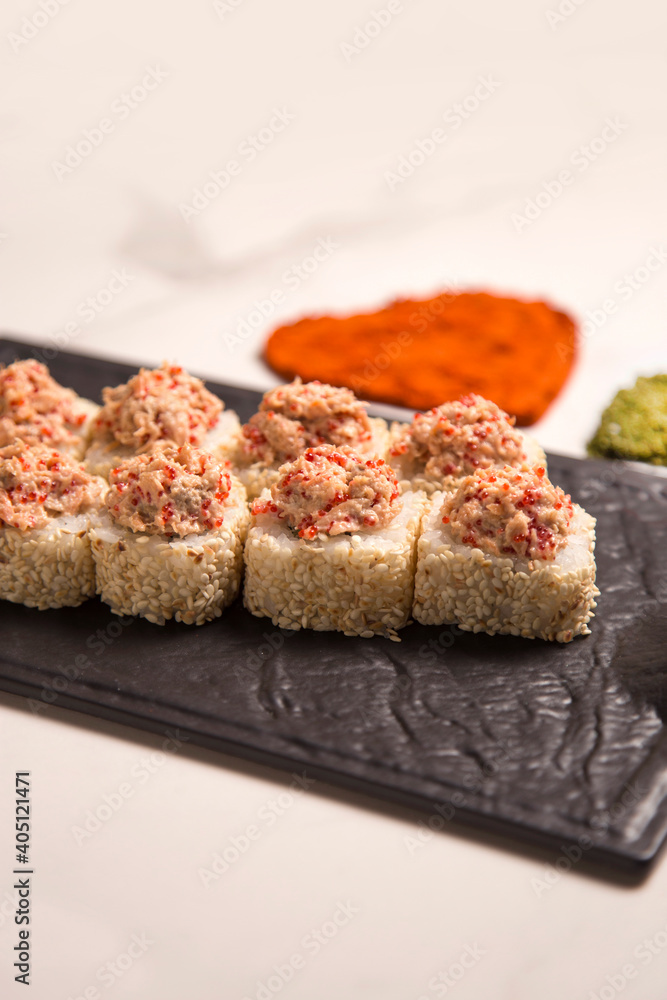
(191, 579)
(536, 598)
(359, 584)
(49, 567)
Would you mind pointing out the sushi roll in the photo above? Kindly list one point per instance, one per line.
(157, 405)
(297, 416)
(38, 410)
(455, 440)
(47, 500)
(332, 546)
(507, 552)
(169, 541)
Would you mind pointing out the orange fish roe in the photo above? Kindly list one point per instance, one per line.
(510, 512)
(164, 404)
(38, 484)
(171, 491)
(333, 490)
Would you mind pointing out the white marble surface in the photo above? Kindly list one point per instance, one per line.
(219, 73)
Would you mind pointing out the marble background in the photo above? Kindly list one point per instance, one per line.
(116, 239)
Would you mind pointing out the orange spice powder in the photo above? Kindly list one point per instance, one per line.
(420, 353)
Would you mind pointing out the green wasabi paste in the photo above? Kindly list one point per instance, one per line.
(634, 425)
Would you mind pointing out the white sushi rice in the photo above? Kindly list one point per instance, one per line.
(49, 567)
(360, 584)
(104, 454)
(258, 476)
(191, 579)
(539, 598)
(410, 477)
(78, 449)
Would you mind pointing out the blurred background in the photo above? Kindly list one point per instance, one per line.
(120, 123)
(166, 166)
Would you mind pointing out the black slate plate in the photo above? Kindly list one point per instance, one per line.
(554, 745)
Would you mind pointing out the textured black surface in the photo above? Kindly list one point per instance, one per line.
(544, 742)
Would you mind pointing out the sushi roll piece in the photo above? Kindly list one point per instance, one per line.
(297, 416)
(456, 439)
(169, 541)
(507, 552)
(332, 546)
(47, 500)
(157, 405)
(38, 410)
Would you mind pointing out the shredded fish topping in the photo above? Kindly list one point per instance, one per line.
(510, 512)
(162, 404)
(303, 415)
(332, 491)
(171, 491)
(38, 483)
(36, 408)
(459, 437)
